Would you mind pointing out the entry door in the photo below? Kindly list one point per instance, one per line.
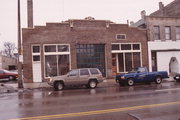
(37, 75)
(36, 63)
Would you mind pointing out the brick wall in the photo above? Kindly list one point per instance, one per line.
(75, 32)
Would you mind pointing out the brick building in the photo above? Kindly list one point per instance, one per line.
(163, 28)
(58, 47)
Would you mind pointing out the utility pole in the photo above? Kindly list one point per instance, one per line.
(20, 80)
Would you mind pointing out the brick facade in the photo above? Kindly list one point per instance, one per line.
(75, 32)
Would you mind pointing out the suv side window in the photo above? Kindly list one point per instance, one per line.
(74, 73)
(94, 71)
(84, 72)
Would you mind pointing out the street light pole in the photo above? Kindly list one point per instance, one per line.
(20, 81)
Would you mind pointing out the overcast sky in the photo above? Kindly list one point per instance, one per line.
(118, 11)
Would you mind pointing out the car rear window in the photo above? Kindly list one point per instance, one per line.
(84, 72)
(94, 71)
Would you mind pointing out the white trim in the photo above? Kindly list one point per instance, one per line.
(121, 34)
(126, 51)
(56, 53)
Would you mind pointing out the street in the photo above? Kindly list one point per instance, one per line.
(107, 102)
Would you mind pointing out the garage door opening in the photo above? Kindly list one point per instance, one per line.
(173, 65)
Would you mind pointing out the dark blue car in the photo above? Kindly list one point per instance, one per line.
(141, 74)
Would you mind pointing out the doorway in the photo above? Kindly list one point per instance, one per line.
(173, 65)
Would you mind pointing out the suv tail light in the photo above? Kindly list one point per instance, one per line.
(100, 76)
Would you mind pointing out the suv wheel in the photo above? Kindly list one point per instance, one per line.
(130, 82)
(58, 85)
(92, 84)
(158, 80)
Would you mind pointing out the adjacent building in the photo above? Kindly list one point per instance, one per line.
(8, 63)
(163, 32)
(56, 48)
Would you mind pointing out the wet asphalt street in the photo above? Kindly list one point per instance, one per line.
(108, 101)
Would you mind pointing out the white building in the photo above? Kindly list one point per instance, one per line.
(163, 28)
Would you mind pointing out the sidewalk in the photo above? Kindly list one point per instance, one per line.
(13, 87)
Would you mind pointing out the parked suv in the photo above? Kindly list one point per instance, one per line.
(83, 76)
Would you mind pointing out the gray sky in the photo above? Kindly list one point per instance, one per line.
(118, 11)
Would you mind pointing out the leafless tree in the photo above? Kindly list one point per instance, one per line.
(9, 49)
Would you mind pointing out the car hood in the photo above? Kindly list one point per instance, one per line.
(127, 74)
(61, 77)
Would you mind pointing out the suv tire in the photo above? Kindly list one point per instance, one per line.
(92, 84)
(58, 85)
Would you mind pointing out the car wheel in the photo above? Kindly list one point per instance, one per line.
(58, 85)
(11, 78)
(130, 82)
(92, 84)
(158, 80)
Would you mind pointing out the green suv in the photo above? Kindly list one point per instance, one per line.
(83, 76)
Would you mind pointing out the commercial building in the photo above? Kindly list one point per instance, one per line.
(56, 48)
(8, 63)
(163, 28)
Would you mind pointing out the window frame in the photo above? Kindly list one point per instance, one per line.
(167, 33)
(56, 54)
(120, 35)
(177, 32)
(156, 33)
(132, 51)
(35, 53)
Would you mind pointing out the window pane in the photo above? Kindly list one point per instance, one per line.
(115, 47)
(50, 48)
(91, 56)
(136, 60)
(177, 33)
(136, 47)
(156, 33)
(63, 48)
(128, 61)
(121, 62)
(142, 70)
(36, 49)
(63, 64)
(50, 65)
(120, 37)
(125, 46)
(167, 33)
(84, 72)
(94, 71)
(36, 58)
(73, 73)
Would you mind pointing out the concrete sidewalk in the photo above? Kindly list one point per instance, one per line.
(13, 87)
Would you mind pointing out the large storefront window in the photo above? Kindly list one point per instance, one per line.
(91, 56)
(57, 60)
(127, 57)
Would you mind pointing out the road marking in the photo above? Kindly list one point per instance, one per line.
(173, 89)
(97, 112)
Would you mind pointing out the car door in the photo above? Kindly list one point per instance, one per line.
(141, 75)
(84, 76)
(72, 77)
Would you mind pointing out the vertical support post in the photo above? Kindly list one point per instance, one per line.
(20, 81)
